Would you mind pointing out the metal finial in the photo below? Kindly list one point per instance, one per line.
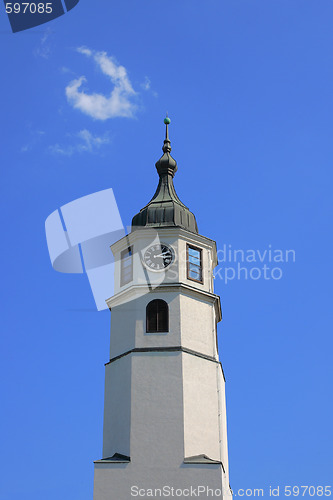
(167, 145)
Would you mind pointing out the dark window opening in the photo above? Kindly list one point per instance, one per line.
(157, 316)
(126, 271)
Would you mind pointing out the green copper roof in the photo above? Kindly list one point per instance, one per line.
(165, 208)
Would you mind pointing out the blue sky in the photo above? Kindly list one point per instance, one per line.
(248, 87)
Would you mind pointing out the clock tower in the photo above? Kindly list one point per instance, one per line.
(165, 428)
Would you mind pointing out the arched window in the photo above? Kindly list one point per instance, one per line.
(157, 316)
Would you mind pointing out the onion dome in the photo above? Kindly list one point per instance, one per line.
(165, 208)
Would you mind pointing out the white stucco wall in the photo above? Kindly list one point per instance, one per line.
(157, 409)
(114, 482)
(198, 329)
(191, 324)
(223, 425)
(117, 408)
(201, 419)
(128, 324)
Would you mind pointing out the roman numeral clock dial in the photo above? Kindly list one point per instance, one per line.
(158, 257)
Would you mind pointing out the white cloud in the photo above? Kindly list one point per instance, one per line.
(99, 106)
(88, 143)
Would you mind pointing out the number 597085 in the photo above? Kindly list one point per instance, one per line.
(28, 7)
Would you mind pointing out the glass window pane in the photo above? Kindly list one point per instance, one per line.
(194, 267)
(195, 274)
(193, 252)
(194, 259)
(194, 264)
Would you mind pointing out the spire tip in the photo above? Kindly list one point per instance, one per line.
(167, 146)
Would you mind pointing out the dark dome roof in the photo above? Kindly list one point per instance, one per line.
(165, 208)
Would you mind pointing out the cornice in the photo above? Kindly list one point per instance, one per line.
(136, 291)
(142, 233)
(169, 349)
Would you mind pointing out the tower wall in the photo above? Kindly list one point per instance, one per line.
(178, 239)
(202, 431)
(123, 481)
(163, 407)
(128, 324)
(174, 413)
(198, 324)
(164, 392)
(157, 431)
(117, 408)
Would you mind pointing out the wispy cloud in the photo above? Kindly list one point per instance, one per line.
(85, 142)
(146, 84)
(64, 69)
(44, 49)
(34, 139)
(119, 103)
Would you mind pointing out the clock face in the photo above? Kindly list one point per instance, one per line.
(158, 257)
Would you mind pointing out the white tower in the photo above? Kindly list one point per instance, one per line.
(165, 428)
